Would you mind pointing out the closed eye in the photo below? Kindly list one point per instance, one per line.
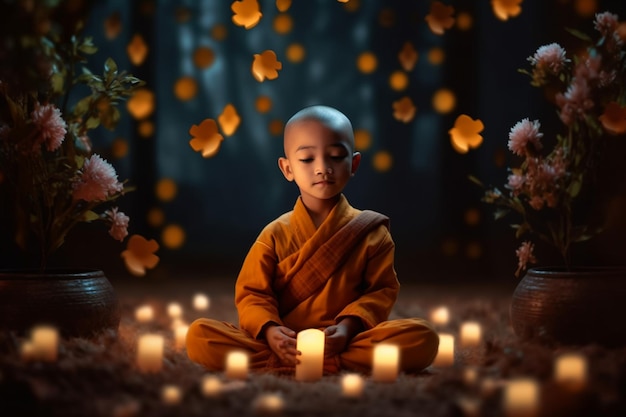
(306, 160)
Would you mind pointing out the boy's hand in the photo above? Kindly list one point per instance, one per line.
(338, 335)
(282, 341)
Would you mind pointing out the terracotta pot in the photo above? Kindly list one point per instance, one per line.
(79, 302)
(578, 306)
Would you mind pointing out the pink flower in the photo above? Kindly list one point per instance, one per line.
(523, 134)
(119, 224)
(52, 128)
(516, 182)
(549, 58)
(524, 256)
(606, 23)
(97, 182)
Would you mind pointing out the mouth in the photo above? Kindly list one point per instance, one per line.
(324, 182)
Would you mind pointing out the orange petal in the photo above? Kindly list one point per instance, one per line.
(229, 120)
(205, 138)
(404, 110)
(465, 133)
(137, 50)
(408, 56)
(113, 25)
(246, 13)
(440, 17)
(266, 65)
(139, 255)
(614, 118)
(503, 9)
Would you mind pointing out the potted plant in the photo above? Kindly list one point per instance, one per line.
(564, 186)
(50, 179)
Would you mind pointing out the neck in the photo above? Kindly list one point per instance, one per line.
(319, 209)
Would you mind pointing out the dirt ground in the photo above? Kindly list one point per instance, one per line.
(99, 376)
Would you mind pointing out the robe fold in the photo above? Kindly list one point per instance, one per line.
(364, 286)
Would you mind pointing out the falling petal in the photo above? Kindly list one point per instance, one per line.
(265, 65)
(137, 50)
(205, 138)
(440, 17)
(404, 110)
(229, 120)
(408, 56)
(113, 25)
(504, 9)
(246, 13)
(465, 133)
(139, 255)
(283, 5)
(614, 118)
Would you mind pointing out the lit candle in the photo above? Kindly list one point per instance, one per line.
(180, 336)
(211, 386)
(440, 316)
(144, 313)
(386, 362)
(27, 350)
(174, 310)
(470, 334)
(150, 352)
(571, 370)
(171, 394)
(268, 404)
(310, 343)
(237, 365)
(352, 385)
(445, 355)
(470, 375)
(521, 398)
(201, 302)
(45, 340)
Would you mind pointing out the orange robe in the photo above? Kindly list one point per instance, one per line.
(365, 286)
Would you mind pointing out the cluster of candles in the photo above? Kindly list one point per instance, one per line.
(520, 396)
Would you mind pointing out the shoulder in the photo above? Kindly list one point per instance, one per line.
(278, 226)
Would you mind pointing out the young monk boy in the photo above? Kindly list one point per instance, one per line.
(323, 265)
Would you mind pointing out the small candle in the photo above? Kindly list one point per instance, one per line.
(150, 352)
(201, 302)
(470, 333)
(521, 398)
(268, 404)
(470, 375)
(27, 350)
(144, 314)
(180, 336)
(352, 385)
(440, 316)
(386, 362)
(310, 343)
(571, 370)
(171, 394)
(45, 340)
(445, 355)
(174, 310)
(237, 365)
(211, 386)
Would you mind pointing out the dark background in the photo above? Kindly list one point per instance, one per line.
(221, 203)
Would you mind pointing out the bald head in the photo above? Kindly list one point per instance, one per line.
(330, 117)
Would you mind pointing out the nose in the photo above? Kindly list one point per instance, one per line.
(323, 170)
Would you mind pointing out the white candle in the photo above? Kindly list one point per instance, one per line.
(440, 316)
(352, 385)
(211, 386)
(150, 352)
(180, 336)
(174, 310)
(470, 333)
(201, 302)
(310, 343)
(521, 398)
(445, 355)
(237, 365)
(570, 370)
(144, 313)
(45, 340)
(386, 362)
(268, 404)
(171, 394)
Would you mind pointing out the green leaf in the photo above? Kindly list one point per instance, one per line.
(110, 66)
(574, 188)
(93, 122)
(475, 181)
(580, 35)
(57, 82)
(83, 106)
(90, 216)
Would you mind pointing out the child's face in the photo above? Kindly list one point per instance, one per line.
(317, 159)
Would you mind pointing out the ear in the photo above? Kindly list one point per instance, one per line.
(285, 168)
(356, 161)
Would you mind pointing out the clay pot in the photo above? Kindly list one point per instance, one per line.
(575, 307)
(78, 302)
